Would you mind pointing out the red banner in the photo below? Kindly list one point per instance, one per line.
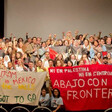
(84, 87)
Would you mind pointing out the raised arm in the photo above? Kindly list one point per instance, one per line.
(26, 35)
(99, 35)
(14, 43)
(76, 33)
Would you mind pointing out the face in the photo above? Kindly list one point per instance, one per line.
(16, 42)
(108, 40)
(10, 44)
(50, 63)
(72, 57)
(52, 42)
(38, 40)
(109, 55)
(10, 50)
(19, 62)
(48, 42)
(66, 43)
(93, 61)
(6, 58)
(3, 44)
(84, 56)
(99, 55)
(76, 43)
(86, 43)
(34, 40)
(29, 40)
(95, 43)
(69, 64)
(58, 63)
(102, 42)
(44, 45)
(20, 40)
(81, 62)
(105, 61)
(110, 61)
(9, 65)
(39, 63)
(43, 92)
(20, 44)
(91, 39)
(18, 55)
(30, 65)
(60, 56)
(47, 55)
(80, 37)
(60, 42)
(56, 93)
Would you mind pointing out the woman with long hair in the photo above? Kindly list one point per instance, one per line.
(56, 101)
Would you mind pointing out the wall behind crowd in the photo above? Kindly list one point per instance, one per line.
(41, 17)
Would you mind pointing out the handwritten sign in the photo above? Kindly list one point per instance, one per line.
(84, 87)
(21, 87)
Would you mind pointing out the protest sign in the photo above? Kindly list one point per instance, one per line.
(21, 87)
(86, 87)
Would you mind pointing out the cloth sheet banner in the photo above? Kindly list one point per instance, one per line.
(86, 87)
(21, 87)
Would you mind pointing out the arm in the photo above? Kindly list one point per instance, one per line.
(99, 35)
(26, 35)
(59, 106)
(50, 88)
(42, 67)
(110, 34)
(76, 33)
(84, 36)
(13, 63)
(11, 36)
(14, 46)
(3, 39)
(54, 38)
(50, 36)
(98, 60)
(63, 35)
(25, 68)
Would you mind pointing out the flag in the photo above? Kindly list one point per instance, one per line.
(52, 53)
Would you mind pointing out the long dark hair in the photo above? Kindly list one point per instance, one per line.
(58, 92)
(43, 89)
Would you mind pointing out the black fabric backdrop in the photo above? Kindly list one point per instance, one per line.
(1, 18)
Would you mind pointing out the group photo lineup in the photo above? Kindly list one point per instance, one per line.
(55, 56)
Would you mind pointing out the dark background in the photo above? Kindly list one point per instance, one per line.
(1, 18)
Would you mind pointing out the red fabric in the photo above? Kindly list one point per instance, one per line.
(97, 62)
(86, 87)
(52, 53)
(104, 53)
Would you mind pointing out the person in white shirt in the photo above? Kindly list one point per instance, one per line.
(31, 67)
(20, 66)
(56, 101)
(45, 60)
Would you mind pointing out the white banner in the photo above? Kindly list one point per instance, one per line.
(21, 87)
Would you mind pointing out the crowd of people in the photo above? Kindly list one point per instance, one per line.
(34, 53)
